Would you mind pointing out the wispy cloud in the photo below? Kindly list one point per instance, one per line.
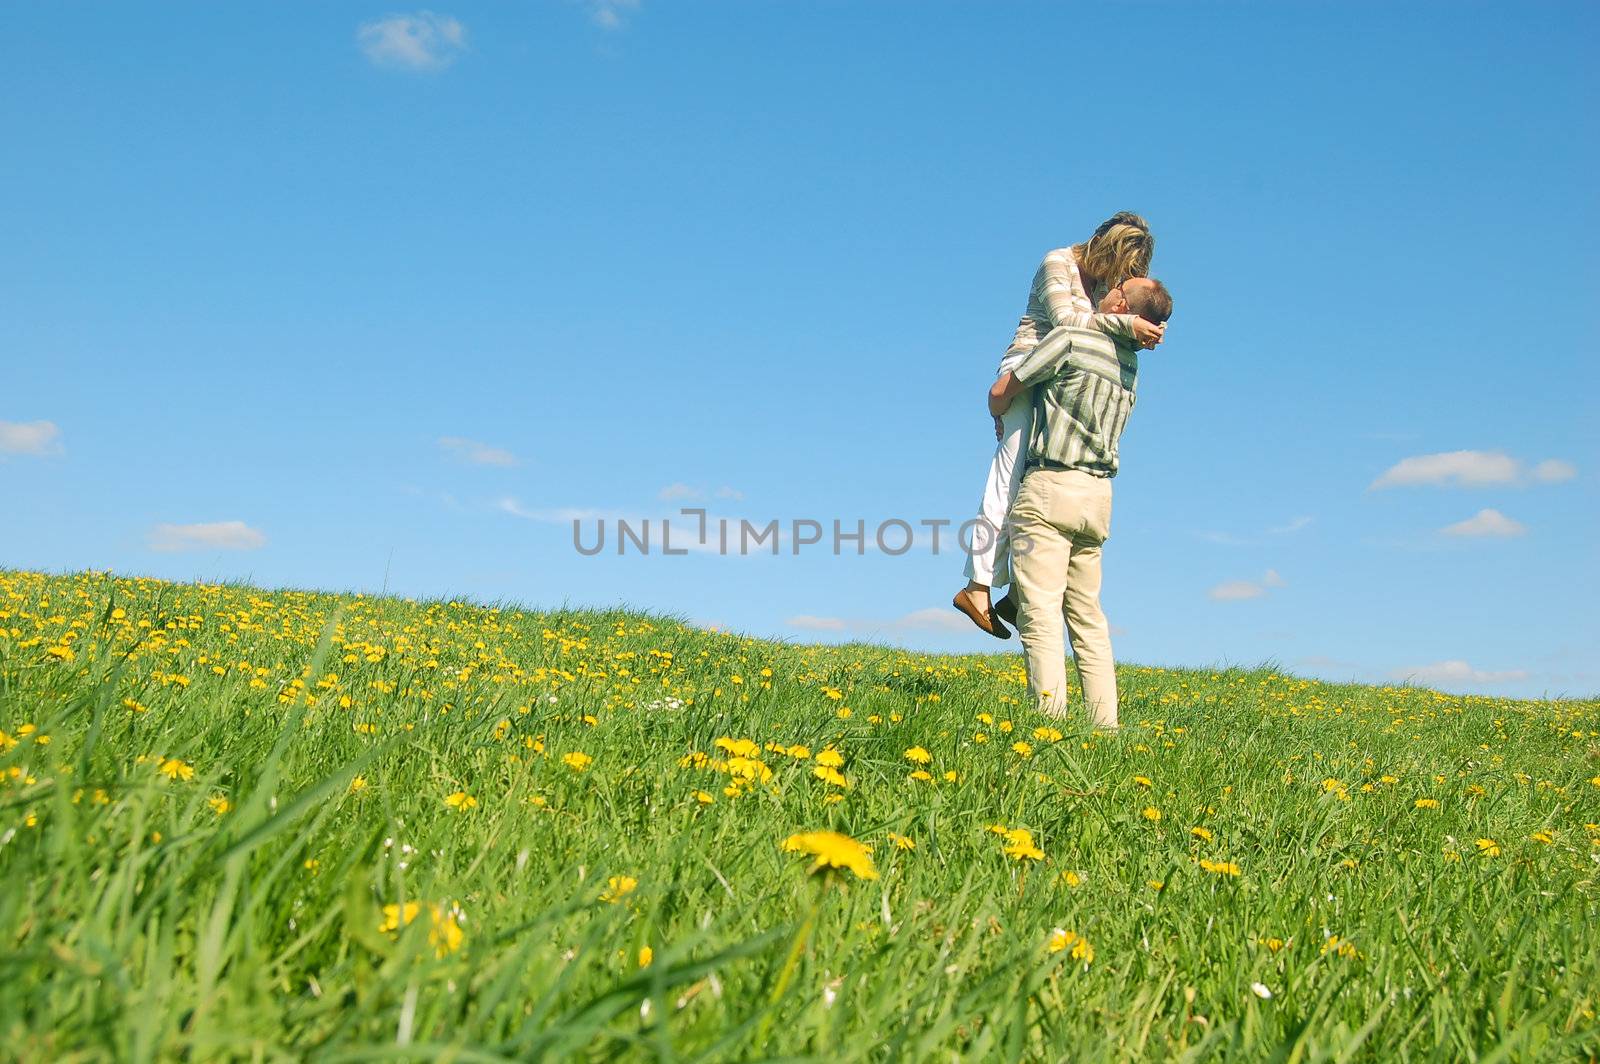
(929, 619)
(678, 490)
(1491, 523)
(611, 14)
(557, 515)
(1229, 539)
(36, 438)
(817, 624)
(1553, 471)
(477, 452)
(1451, 673)
(1470, 469)
(420, 41)
(215, 535)
(1238, 590)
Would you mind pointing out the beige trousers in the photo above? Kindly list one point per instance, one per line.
(1059, 520)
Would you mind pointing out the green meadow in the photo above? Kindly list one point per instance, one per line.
(239, 824)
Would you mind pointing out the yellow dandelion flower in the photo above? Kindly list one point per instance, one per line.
(174, 769)
(577, 761)
(1019, 846)
(1071, 878)
(1201, 833)
(921, 776)
(1023, 749)
(902, 842)
(1143, 781)
(917, 755)
(358, 784)
(703, 798)
(1219, 868)
(219, 804)
(461, 801)
(738, 747)
(1151, 813)
(618, 887)
(396, 916)
(830, 758)
(833, 850)
(646, 955)
(1547, 837)
(1426, 803)
(830, 775)
(1488, 848)
(445, 934)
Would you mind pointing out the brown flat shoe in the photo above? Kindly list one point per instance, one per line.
(984, 619)
(1006, 610)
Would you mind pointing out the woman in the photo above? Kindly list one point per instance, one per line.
(1065, 290)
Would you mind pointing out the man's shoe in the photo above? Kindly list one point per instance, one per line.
(984, 619)
(1006, 610)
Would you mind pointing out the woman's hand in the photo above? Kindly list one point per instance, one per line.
(1148, 334)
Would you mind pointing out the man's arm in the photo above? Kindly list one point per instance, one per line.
(1005, 389)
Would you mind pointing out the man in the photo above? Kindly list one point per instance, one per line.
(1062, 513)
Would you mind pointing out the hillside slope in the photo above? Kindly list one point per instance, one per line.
(238, 821)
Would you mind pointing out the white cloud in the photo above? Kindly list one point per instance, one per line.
(1238, 590)
(217, 535)
(560, 515)
(680, 491)
(1231, 539)
(1451, 467)
(1554, 470)
(934, 619)
(611, 14)
(928, 619)
(1449, 673)
(818, 624)
(476, 452)
(726, 492)
(423, 41)
(29, 437)
(1487, 523)
(1470, 469)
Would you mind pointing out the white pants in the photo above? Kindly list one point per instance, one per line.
(989, 560)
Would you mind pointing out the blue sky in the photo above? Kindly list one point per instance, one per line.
(314, 293)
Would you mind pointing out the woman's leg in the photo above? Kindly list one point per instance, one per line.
(989, 561)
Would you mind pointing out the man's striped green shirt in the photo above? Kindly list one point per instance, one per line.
(1083, 391)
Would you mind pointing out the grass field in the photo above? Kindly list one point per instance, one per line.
(249, 824)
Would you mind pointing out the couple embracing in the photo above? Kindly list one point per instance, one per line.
(1065, 389)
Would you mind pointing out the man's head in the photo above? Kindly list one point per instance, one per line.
(1144, 296)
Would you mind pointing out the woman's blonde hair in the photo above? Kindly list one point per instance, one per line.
(1119, 249)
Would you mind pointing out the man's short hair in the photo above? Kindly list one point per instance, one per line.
(1149, 300)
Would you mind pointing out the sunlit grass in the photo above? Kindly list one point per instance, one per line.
(238, 823)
